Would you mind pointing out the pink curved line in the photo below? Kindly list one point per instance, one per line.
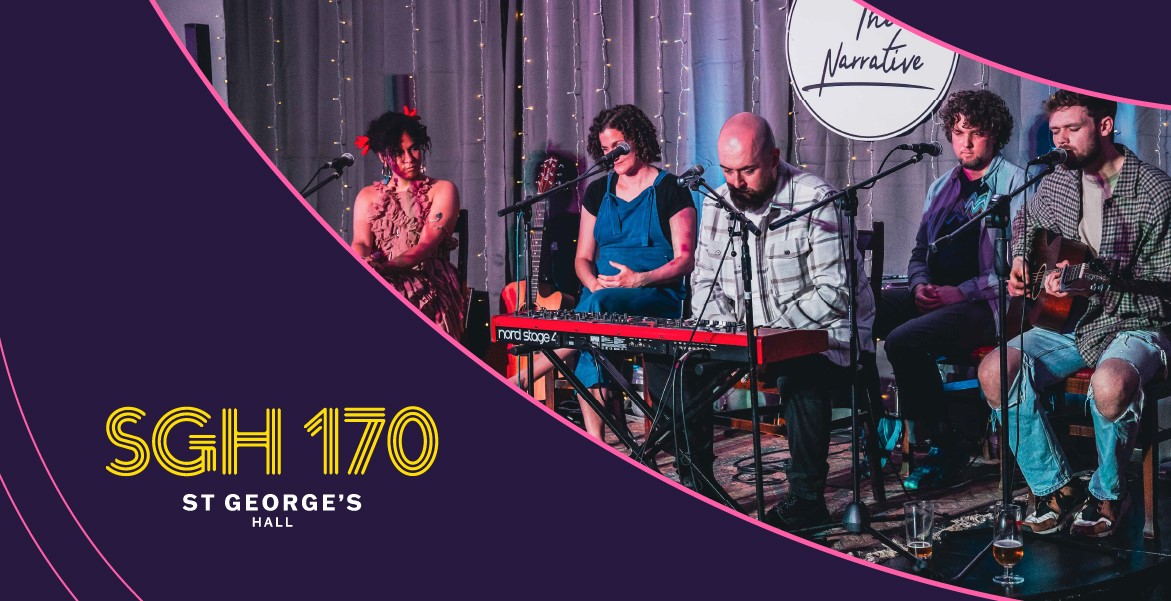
(34, 538)
(1006, 69)
(37, 448)
(488, 369)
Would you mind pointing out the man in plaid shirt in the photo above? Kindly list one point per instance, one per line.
(1119, 206)
(799, 281)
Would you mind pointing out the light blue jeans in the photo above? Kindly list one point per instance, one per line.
(1049, 358)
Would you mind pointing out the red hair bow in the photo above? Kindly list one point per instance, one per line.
(363, 143)
(410, 112)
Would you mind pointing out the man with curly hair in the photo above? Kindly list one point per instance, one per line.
(949, 306)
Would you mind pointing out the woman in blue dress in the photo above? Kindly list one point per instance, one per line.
(636, 241)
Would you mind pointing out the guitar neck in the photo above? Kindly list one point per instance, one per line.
(537, 245)
(550, 177)
(1072, 273)
(1073, 276)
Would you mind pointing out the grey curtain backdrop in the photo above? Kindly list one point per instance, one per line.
(499, 81)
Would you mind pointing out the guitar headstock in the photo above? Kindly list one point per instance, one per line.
(552, 173)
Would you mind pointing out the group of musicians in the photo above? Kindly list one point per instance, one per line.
(639, 247)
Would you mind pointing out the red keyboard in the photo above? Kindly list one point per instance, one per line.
(656, 336)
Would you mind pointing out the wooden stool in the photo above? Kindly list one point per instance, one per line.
(1149, 438)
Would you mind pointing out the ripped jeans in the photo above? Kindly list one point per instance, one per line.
(1051, 357)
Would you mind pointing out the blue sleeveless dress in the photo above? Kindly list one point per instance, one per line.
(629, 233)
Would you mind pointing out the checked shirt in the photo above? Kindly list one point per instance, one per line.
(1134, 230)
(800, 269)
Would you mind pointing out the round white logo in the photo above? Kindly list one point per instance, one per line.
(860, 75)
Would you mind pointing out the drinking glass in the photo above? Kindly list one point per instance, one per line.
(919, 518)
(1007, 544)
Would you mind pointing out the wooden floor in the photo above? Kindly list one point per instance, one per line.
(1059, 568)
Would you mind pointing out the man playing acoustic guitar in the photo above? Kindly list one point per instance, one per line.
(1118, 206)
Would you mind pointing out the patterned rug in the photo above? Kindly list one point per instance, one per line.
(962, 505)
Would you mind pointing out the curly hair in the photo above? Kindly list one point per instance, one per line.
(386, 133)
(981, 109)
(1098, 108)
(635, 127)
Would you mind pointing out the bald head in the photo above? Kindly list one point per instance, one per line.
(749, 158)
(746, 132)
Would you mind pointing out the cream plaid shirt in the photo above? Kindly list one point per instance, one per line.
(800, 279)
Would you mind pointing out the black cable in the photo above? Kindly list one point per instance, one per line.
(746, 471)
(1020, 379)
(658, 413)
(881, 168)
(678, 365)
(711, 289)
(679, 425)
(312, 179)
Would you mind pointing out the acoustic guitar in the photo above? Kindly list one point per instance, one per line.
(1085, 272)
(532, 292)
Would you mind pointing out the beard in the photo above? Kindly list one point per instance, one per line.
(1078, 160)
(976, 164)
(752, 200)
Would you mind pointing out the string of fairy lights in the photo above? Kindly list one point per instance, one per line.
(481, 16)
(873, 172)
(276, 145)
(479, 96)
(870, 148)
(684, 42)
(850, 163)
(795, 111)
(662, 108)
(605, 89)
(414, 55)
(755, 87)
(1161, 142)
(527, 120)
(548, 58)
(338, 62)
(932, 165)
(578, 103)
(794, 114)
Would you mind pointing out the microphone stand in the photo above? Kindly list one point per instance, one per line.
(337, 172)
(524, 207)
(856, 519)
(996, 216)
(599, 167)
(740, 226)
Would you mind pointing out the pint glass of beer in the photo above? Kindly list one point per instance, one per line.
(919, 517)
(1007, 545)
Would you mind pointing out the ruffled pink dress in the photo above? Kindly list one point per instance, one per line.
(432, 285)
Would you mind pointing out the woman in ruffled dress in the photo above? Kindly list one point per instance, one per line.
(403, 224)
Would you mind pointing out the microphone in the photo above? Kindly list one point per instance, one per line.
(619, 150)
(1056, 156)
(346, 160)
(687, 177)
(931, 148)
